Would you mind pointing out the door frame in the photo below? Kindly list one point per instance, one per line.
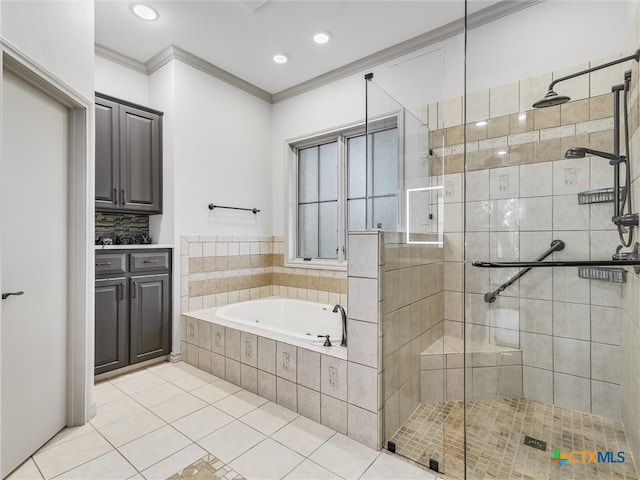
(81, 213)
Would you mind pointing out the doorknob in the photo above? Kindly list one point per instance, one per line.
(7, 295)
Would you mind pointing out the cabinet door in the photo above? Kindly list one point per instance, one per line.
(107, 155)
(149, 317)
(140, 160)
(111, 324)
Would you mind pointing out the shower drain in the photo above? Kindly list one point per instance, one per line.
(535, 443)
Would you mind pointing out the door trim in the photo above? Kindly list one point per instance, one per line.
(80, 403)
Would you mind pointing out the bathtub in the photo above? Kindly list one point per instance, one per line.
(296, 322)
(295, 318)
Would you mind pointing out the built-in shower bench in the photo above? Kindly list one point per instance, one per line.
(493, 371)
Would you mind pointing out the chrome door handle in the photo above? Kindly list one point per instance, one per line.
(7, 295)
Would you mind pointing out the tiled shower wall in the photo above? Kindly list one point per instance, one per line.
(520, 195)
(630, 291)
(218, 270)
(412, 309)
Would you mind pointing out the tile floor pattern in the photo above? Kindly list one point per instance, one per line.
(169, 420)
(496, 431)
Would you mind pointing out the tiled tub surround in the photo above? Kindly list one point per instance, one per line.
(518, 194)
(303, 376)
(221, 269)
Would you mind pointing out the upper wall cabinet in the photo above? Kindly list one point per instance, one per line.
(128, 157)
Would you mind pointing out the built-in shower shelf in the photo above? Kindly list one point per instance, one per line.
(603, 195)
(613, 275)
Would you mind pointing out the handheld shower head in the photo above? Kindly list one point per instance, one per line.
(581, 152)
(575, 152)
(551, 99)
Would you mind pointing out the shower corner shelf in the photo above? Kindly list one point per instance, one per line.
(613, 275)
(603, 195)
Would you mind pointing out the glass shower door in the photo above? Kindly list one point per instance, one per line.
(416, 351)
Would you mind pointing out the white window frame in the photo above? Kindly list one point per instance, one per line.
(340, 134)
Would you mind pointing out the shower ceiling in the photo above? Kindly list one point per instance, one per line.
(241, 37)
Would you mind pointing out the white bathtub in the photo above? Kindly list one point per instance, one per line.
(275, 317)
(296, 318)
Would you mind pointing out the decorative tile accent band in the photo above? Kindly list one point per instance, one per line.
(222, 269)
(530, 136)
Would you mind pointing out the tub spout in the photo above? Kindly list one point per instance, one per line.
(343, 343)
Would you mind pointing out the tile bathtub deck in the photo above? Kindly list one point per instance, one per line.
(175, 421)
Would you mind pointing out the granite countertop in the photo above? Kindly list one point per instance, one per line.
(133, 246)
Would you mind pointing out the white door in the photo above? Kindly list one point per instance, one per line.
(33, 259)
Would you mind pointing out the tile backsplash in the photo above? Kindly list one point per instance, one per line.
(121, 225)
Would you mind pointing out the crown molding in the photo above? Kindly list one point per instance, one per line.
(486, 15)
(120, 59)
(177, 53)
(481, 17)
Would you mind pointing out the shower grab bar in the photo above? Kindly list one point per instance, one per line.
(490, 297)
(572, 263)
(253, 210)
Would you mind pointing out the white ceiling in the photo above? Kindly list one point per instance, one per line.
(241, 36)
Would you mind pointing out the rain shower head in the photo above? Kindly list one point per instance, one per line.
(581, 152)
(551, 99)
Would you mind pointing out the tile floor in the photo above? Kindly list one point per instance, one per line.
(175, 421)
(495, 435)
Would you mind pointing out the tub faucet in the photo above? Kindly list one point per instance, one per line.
(343, 343)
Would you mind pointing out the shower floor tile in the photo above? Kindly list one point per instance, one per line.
(496, 430)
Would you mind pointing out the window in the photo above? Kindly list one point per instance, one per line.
(333, 187)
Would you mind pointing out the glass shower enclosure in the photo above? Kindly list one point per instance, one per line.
(494, 365)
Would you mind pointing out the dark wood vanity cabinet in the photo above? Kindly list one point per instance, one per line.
(128, 157)
(132, 307)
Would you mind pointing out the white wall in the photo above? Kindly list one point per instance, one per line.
(222, 156)
(548, 36)
(59, 35)
(121, 82)
(162, 87)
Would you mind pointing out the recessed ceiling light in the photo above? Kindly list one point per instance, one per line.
(322, 37)
(144, 11)
(280, 58)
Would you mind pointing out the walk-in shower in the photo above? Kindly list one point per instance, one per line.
(517, 356)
